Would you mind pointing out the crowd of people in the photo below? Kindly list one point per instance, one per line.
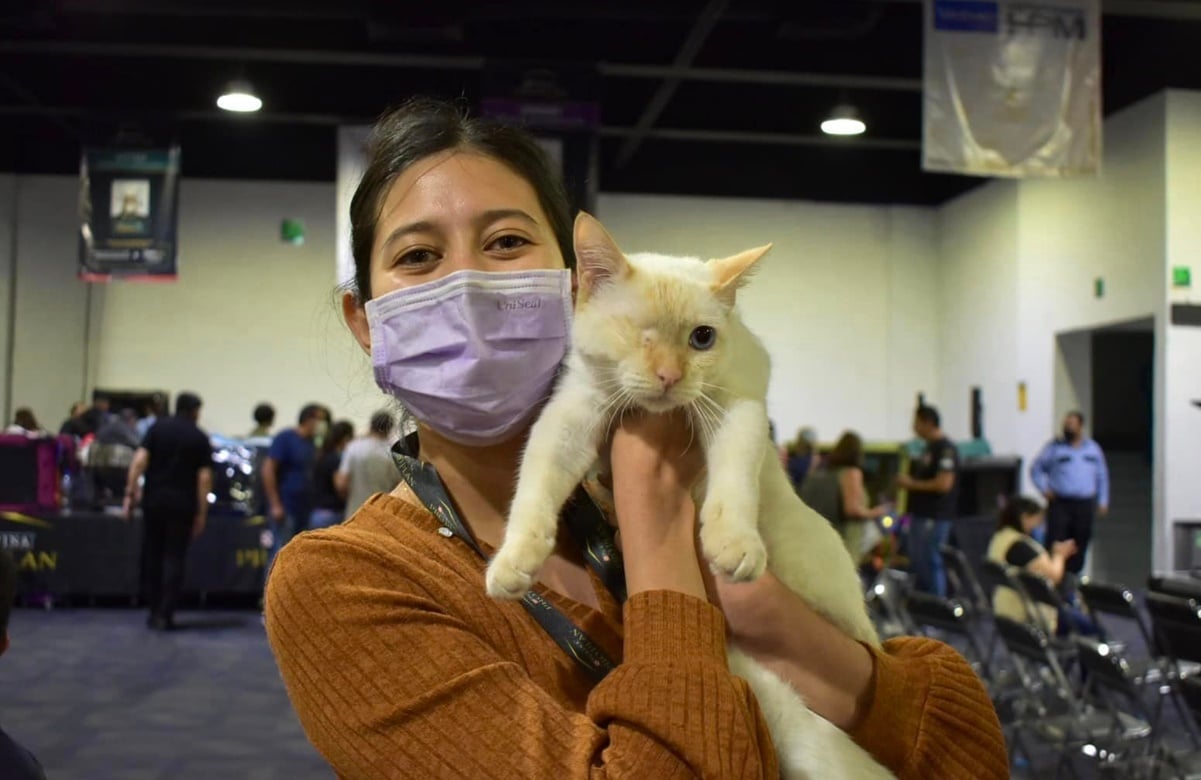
(1049, 539)
(312, 475)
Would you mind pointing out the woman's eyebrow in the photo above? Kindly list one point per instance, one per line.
(495, 215)
(423, 226)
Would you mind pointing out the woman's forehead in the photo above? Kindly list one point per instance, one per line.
(454, 185)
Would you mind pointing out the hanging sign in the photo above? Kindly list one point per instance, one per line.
(128, 204)
(1012, 88)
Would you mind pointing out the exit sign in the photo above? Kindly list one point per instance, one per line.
(1182, 276)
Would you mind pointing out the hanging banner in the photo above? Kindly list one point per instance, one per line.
(128, 204)
(352, 158)
(1012, 88)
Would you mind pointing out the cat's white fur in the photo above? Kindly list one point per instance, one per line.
(634, 314)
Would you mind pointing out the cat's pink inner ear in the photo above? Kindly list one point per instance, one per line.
(598, 258)
(733, 271)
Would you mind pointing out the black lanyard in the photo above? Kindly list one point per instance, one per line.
(587, 525)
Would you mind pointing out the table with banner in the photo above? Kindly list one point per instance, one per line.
(92, 554)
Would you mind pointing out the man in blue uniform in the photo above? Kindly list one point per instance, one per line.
(1071, 473)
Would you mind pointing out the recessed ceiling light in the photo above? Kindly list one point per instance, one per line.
(844, 120)
(239, 96)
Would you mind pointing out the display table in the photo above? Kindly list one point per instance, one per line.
(96, 554)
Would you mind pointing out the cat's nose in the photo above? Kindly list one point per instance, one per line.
(668, 377)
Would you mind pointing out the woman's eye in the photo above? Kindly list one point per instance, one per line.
(703, 338)
(415, 257)
(508, 243)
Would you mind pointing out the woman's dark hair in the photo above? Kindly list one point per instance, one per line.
(339, 433)
(264, 414)
(847, 452)
(1017, 507)
(24, 417)
(382, 422)
(928, 414)
(424, 126)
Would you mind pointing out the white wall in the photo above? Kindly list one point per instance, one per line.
(1182, 354)
(845, 302)
(977, 308)
(7, 199)
(51, 303)
(1072, 231)
(1019, 260)
(250, 319)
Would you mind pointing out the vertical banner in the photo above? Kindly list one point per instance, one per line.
(352, 157)
(128, 203)
(1012, 88)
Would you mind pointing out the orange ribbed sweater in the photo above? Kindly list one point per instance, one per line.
(399, 665)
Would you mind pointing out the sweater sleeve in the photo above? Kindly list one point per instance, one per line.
(930, 716)
(388, 683)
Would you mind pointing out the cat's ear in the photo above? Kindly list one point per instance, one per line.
(730, 273)
(598, 260)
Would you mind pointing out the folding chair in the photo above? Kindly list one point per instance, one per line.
(1045, 707)
(1119, 690)
(964, 585)
(1176, 627)
(886, 603)
(1115, 601)
(952, 617)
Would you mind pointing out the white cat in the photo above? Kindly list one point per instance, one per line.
(661, 332)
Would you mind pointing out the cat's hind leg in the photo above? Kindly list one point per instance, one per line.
(729, 515)
(563, 443)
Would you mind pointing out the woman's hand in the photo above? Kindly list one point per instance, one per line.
(656, 461)
(1064, 549)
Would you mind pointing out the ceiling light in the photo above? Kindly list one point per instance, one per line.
(239, 96)
(844, 120)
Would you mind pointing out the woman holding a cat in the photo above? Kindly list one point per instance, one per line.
(397, 661)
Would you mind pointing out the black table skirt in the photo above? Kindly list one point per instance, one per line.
(93, 554)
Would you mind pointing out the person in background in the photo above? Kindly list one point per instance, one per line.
(120, 430)
(837, 493)
(933, 484)
(25, 424)
(177, 460)
(264, 418)
(76, 424)
(1071, 473)
(95, 417)
(286, 474)
(150, 414)
(1014, 544)
(16, 763)
(329, 505)
(367, 465)
(802, 453)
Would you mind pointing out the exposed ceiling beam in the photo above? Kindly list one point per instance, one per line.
(332, 120)
(768, 139)
(684, 58)
(436, 62)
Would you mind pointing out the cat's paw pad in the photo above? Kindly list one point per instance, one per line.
(735, 551)
(513, 571)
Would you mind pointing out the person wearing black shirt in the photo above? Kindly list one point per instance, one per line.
(177, 459)
(933, 484)
(329, 507)
(16, 763)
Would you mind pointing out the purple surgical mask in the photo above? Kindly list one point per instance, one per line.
(473, 355)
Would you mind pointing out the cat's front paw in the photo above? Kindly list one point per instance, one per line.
(732, 543)
(515, 567)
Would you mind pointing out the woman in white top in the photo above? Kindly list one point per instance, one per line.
(1014, 545)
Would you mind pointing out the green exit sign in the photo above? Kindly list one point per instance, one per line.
(1182, 276)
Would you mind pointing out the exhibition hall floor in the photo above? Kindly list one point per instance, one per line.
(94, 695)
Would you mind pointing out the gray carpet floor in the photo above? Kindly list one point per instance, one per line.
(95, 695)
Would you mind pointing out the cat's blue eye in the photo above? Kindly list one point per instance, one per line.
(703, 338)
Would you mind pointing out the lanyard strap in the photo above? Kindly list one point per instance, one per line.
(587, 525)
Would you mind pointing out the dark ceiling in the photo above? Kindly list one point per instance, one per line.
(729, 92)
